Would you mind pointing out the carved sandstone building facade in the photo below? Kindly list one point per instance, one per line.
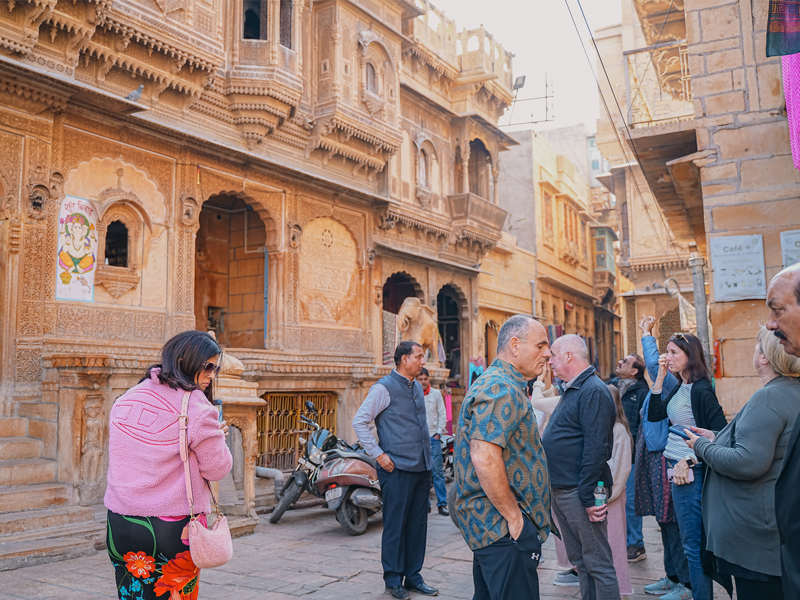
(284, 173)
(707, 119)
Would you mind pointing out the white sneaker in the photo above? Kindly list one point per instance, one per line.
(662, 586)
(679, 592)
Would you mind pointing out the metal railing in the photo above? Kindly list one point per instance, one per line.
(658, 84)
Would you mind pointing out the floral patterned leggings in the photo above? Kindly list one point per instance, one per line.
(150, 559)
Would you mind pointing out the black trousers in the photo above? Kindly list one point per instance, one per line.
(405, 525)
(506, 569)
(750, 589)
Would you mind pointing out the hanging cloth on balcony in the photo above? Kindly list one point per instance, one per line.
(791, 89)
(783, 28)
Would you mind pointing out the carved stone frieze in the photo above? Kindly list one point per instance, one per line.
(28, 364)
(317, 338)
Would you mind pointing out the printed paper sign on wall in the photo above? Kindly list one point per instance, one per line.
(77, 250)
(738, 262)
(790, 247)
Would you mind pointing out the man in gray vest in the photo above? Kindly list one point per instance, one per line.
(397, 405)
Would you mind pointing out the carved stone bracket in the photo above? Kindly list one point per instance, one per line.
(117, 280)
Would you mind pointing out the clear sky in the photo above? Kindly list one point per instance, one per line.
(543, 38)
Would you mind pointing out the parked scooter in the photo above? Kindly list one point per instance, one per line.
(307, 470)
(349, 481)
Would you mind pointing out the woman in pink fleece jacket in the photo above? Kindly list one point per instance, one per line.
(146, 495)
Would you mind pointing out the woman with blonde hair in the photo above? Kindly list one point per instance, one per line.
(743, 462)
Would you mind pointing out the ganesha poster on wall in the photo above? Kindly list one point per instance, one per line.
(77, 250)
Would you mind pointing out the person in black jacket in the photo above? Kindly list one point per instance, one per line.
(633, 389)
(783, 300)
(578, 441)
(691, 404)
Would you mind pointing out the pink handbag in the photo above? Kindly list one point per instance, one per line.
(209, 547)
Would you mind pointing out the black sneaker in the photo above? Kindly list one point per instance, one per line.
(636, 553)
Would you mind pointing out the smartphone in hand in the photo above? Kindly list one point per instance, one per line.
(679, 432)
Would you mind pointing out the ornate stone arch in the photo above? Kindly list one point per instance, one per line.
(426, 161)
(463, 300)
(376, 54)
(133, 216)
(267, 203)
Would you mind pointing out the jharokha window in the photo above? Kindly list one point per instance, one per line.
(286, 23)
(372, 79)
(117, 245)
(548, 212)
(255, 19)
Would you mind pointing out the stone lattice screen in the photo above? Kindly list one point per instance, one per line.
(280, 427)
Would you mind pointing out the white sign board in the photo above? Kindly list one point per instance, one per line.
(790, 247)
(738, 263)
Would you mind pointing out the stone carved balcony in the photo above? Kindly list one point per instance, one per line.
(476, 220)
(658, 85)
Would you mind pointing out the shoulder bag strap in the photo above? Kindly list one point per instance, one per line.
(184, 448)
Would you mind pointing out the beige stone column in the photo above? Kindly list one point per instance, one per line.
(240, 406)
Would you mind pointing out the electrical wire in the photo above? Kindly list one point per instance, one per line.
(658, 39)
(619, 108)
(616, 132)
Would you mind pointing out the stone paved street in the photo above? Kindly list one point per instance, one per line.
(308, 554)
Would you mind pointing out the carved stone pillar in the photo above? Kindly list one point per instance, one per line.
(496, 189)
(240, 406)
(465, 168)
(297, 42)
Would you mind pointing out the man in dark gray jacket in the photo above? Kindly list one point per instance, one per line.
(397, 405)
(578, 442)
(783, 300)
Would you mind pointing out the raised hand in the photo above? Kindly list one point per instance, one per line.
(646, 325)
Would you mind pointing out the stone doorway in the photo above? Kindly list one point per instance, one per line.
(230, 291)
(449, 310)
(396, 289)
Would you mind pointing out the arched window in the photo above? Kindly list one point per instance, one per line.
(254, 22)
(423, 169)
(117, 245)
(372, 79)
(286, 23)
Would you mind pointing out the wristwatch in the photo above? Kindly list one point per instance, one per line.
(690, 462)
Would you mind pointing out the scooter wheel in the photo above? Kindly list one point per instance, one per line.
(352, 518)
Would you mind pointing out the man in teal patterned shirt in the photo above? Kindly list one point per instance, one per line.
(503, 488)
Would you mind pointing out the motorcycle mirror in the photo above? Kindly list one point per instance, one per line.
(310, 406)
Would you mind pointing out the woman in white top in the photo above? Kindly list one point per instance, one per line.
(693, 403)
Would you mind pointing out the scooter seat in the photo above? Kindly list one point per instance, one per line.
(357, 455)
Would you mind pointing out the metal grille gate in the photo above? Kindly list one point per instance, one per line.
(279, 426)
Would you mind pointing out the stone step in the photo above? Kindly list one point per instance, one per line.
(32, 497)
(20, 447)
(26, 554)
(49, 518)
(13, 427)
(22, 471)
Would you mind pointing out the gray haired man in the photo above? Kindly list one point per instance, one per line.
(578, 442)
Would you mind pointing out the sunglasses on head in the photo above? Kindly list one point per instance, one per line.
(679, 336)
(210, 368)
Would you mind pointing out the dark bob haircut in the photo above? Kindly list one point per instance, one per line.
(183, 357)
(404, 349)
(696, 368)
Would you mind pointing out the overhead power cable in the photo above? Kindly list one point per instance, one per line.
(611, 120)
